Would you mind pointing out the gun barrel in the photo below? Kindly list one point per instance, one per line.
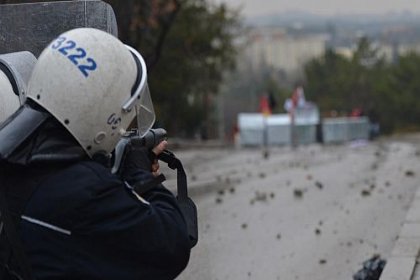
(151, 139)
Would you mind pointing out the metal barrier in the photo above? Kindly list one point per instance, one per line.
(359, 128)
(305, 134)
(334, 130)
(276, 130)
(251, 129)
(251, 137)
(279, 135)
(338, 130)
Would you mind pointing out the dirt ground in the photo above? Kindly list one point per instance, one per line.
(315, 212)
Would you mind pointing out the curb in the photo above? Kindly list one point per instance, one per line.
(402, 263)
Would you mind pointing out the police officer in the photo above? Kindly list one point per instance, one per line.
(75, 219)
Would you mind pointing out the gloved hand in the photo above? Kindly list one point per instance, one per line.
(141, 158)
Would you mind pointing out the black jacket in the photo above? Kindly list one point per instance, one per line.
(79, 221)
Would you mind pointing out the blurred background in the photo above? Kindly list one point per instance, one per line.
(210, 60)
(297, 122)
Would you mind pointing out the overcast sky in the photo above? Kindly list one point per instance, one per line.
(324, 7)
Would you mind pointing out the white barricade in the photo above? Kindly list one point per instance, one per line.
(338, 130)
(306, 120)
(254, 129)
(251, 129)
(359, 128)
(305, 134)
(278, 129)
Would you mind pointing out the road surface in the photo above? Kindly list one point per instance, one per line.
(316, 212)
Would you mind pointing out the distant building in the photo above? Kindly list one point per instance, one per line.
(389, 51)
(406, 48)
(273, 47)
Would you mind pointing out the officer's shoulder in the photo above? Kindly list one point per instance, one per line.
(90, 169)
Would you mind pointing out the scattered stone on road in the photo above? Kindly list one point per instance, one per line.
(358, 213)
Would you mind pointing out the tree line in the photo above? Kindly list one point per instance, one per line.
(387, 92)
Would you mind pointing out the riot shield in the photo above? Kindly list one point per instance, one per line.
(19, 65)
(32, 26)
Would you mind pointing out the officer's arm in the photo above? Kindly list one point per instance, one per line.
(147, 229)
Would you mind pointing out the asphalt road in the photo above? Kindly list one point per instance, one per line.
(316, 212)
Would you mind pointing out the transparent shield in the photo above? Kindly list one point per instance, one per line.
(145, 112)
(32, 26)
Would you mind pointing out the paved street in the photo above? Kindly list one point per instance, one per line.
(316, 212)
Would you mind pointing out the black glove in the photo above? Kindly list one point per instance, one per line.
(135, 159)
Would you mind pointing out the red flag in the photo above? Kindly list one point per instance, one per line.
(265, 106)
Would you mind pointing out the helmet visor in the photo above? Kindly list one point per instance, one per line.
(145, 112)
(140, 99)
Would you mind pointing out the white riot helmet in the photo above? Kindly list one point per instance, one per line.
(15, 70)
(94, 86)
